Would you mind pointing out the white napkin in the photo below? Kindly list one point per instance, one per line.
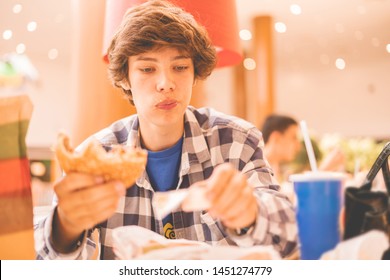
(190, 199)
(369, 246)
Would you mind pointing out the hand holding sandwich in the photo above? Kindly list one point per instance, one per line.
(83, 201)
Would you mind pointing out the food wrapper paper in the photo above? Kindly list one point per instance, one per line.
(368, 246)
(134, 242)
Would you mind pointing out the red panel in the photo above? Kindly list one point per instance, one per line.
(218, 16)
(15, 176)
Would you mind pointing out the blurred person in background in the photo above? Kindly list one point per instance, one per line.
(286, 152)
(282, 142)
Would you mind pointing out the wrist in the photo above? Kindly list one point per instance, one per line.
(64, 238)
(245, 230)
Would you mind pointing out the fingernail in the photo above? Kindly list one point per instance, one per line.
(210, 196)
(120, 188)
(99, 180)
(213, 215)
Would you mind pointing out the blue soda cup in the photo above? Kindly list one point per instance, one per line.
(319, 201)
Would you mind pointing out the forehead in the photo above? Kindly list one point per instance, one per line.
(163, 52)
(292, 130)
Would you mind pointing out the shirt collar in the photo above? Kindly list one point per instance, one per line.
(134, 139)
(195, 148)
(194, 139)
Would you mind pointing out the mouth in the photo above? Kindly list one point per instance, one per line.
(167, 104)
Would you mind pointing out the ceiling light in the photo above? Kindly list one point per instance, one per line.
(20, 48)
(32, 26)
(249, 64)
(37, 168)
(52, 54)
(17, 8)
(245, 35)
(7, 34)
(280, 27)
(295, 9)
(340, 63)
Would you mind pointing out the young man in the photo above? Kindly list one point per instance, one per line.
(156, 57)
(282, 143)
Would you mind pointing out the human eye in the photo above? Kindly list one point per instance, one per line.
(181, 68)
(146, 69)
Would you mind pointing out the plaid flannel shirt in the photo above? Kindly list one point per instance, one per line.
(210, 138)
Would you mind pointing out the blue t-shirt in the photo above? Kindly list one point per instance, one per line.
(163, 168)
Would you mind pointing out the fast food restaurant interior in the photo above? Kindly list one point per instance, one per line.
(326, 62)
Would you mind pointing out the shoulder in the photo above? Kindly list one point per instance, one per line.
(211, 120)
(116, 133)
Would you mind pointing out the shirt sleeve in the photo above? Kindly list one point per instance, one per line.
(276, 223)
(45, 250)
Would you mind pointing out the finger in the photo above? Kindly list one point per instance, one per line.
(92, 196)
(239, 223)
(89, 221)
(218, 180)
(245, 217)
(231, 193)
(105, 211)
(240, 206)
(101, 213)
(74, 212)
(90, 213)
(74, 181)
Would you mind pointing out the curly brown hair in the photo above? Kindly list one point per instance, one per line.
(156, 24)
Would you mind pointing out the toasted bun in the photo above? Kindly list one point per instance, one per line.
(121, 163)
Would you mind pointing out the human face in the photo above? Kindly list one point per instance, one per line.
(161, 83)
(289, 143)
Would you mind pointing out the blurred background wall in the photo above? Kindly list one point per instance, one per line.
(330, 65)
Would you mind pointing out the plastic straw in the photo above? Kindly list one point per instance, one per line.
(309, 147)
(356, 169)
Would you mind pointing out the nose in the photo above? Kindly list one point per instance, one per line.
(165, 82)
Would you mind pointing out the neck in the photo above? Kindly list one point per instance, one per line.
(159, 139)
(271, 155)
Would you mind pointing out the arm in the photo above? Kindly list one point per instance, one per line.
(253, 200)
(83, 201)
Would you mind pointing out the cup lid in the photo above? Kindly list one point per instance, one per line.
(317, 176)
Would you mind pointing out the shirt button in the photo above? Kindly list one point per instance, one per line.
(276, 239)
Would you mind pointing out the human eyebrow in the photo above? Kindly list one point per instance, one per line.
(146, 58)
(181, 57)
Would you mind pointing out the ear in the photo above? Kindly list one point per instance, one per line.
(275, 136)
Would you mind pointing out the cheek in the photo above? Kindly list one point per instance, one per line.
(137, 79)
(187, 87)
(140, 99)
(290, 147)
